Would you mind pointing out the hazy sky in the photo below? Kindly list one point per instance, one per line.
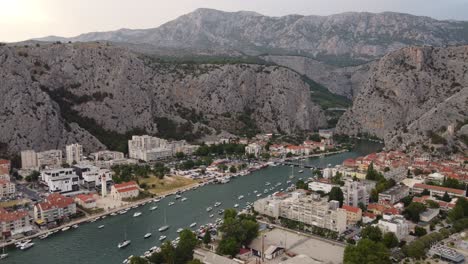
(24, 19)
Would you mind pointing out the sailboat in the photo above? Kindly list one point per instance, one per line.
(3, 255)
(125, 242)
(165, 226)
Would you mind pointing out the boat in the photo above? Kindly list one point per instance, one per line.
(147, 235)
(136, 214)
(267, 183)
(100, 227)
(193, 224)
(4, 256)
(44, 236)
(165, 226)
(183, 199)
(236, 205)
(209, 209)
(27, 246)
(104, 217)
(211, 215)
(157, 200)
(178, 196)
(75, 226)
(161, 238)
(240, 197)
(65, 228)
(180, 230)
(217, 204)
(221, 211)
(258, 195)
(153, 208)
(171, 203)
(122, 212)
(124, 243)
(301, 171)
(255, 191)
(113, 214)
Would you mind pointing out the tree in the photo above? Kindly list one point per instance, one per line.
(372, 232)
(33, 176)
(194, 261)
(366, 252)
(419, 231)
(425, 192)
(207, 238)
(413, 210)
(289, 154)
(446, 197)
(138, 260)
(374, 196)
(187, 243)
(229, 246)
(390, 240)
(230, 213)
(337, 195)
(180, 155)
(459, 211)
(232, 169)
(300, 184)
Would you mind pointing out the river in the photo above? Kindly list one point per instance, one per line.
(90, 245)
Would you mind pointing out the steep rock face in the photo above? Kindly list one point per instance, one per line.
(338, 80)
(48, 88)
(359, 36)
(411, 95)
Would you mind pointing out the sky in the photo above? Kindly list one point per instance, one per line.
(25, 19)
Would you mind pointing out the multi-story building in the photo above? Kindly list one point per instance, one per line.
(90, 176)
(149, 148)
(107, 155)
(394, 194)
(7, 188)
(74, 153)
(50, 159)
(125, 190)
(321, 185)
(61, 180)
(28, 160)
(308, 209)
(55, 207)
(353, 214)
(437, 190)
(86, 200)
(254, 149)
(394, 223)
(355, 192)
(14, 223)
(5, 170)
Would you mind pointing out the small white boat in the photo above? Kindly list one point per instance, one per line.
(217, 204)
(178, 196)
(65, 228)
(161, 238)
(171, 203)
(122, 212)
(236, 205)
(136, 214)
(211, 215)
(147, 235)
(157, 200)
(193, 224)
(240, 197)
(104, 217)
(209, 209)
(100, 227)
(27, 246)
(258, 195)
(163, 228)
(267, 183)
(301, 171)
(4, 256)
(183, 199)
(124, 244)
(75, 226)
(180, 230)
(255, 191)
(44, 236)
(113, 214)
(153, 208)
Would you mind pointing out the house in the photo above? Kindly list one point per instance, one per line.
(368, 217)
(55, 207)
(125, 190)
(14, 223)
(353, 214)
(437, 190)
(394, 194)
(396, 224)
(61, 180)
(7, 188)
(254, 149)
(86, 200)
(429, 214)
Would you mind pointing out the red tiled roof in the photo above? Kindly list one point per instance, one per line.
(6, 216)
(4, 170)
(125, 185)
(351, 209)
(85, 197)
(56, 200)
(368, 214)
(438, 188)
(128, 189)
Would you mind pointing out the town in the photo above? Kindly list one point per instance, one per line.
(403, 200)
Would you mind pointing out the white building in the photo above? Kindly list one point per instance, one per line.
(55, 207)
(149, 148)
(254, 149)
(355, 192)
(90, 176)
(321, 185)
(125, 190)
(50, 158)
(394, 194)
(7, 188)
(14, 223)
(107, 155)
(61, 180)
(396, 224)
(74, 153)
(28, 160)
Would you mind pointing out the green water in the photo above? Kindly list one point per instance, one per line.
(88, 244)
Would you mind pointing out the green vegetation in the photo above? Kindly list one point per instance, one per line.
(323, 97)
(295, 225)
(221, 150)
(183, 253)
(390, 240)
(419, 231)
(382, 183)
(249, 127)
(124, 173)
(33, 176)
(367, 252)
(300, 184)
(337, 195)
(169, 129)
(460, 210)
(413, 210)
(237, 230)
(372, 232)
(450, 183)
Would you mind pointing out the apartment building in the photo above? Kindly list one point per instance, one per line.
(394, 194)
(7, 188)
(107, 155)
(322, 185)
(396, 224)
(32, 160)
(74, 153)
(355, 192)
(28, 160)
(149, 148)
(90, 176)
(254, 149)
(307, 209)
(14, 223)
(353, 214)
(61, 180)
(437, 190)
(55, 207)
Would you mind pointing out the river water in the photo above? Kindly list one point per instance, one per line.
(90, 245)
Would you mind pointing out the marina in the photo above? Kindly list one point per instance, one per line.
(94, 245)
